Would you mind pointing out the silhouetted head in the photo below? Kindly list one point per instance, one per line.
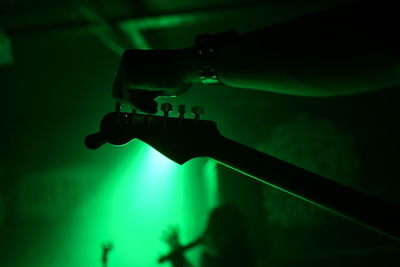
(226, 231)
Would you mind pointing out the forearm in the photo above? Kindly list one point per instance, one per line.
(181, 263)
(323, 54)
(179, 260)
(327, 72)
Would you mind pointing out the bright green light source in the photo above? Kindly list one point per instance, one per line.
(131, 205)
(146, 199)
(145, 194)
(211, 180)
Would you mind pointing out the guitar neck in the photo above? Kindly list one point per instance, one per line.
(339, 199)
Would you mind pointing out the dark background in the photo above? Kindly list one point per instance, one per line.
(58, 86)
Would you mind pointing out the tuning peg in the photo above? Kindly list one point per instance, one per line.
(197, 111)
(181, 110)
(166, 107)
(133, 112)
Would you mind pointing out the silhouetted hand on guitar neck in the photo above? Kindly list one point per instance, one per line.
(144, 75)
(326, 53)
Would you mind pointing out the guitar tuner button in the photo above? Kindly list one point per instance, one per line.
(166, 108)
(133, 115)
(197, 111)
(122, 118)
(182, 109)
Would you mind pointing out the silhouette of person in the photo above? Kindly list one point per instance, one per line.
(106, 248)
(225, 241)
(347, 49)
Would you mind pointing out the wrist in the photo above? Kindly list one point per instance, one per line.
(187, 65)
(198, 63)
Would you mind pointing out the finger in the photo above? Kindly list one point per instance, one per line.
(175, 233)
(165, 236)
(175, 230)
(144, 100)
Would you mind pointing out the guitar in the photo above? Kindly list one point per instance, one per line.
(182, 139)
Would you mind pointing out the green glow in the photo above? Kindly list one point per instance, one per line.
(161, 22)
(6, 56)
(145, 200)
(211, 180)
(315, 145)
(141, 198)
(131, 207)
(129, 202)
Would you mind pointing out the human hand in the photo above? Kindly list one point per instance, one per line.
(107, 246)
(171, 237)
(144, 75)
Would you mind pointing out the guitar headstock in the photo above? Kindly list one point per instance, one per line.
(178, 138)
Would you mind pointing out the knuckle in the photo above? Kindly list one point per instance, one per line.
(126, 57)
(126, 53)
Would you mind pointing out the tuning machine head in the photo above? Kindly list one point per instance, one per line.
(166, 108)
(197, 111)
(182, 111)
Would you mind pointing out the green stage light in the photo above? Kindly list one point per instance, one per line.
(129, 203)
(145, 197)
(140, 199)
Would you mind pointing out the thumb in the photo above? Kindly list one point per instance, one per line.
(144, 100)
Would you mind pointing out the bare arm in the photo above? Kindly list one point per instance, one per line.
(176, 257)
(345, 50)
(180, 261)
